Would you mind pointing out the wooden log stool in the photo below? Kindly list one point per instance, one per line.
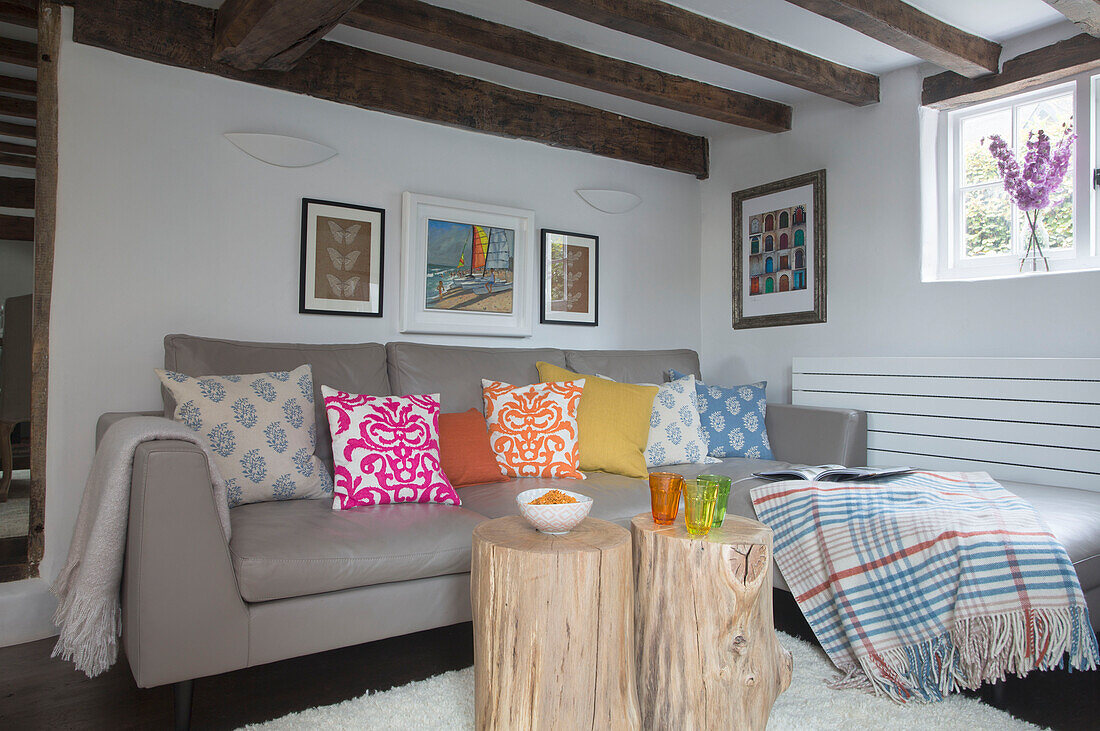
(553, 627)
(706, 649)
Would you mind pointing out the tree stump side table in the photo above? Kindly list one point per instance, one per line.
(553, 627)
(706, 649)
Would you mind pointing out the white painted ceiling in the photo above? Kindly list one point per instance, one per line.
(997, 20)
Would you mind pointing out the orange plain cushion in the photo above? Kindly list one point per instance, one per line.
(464, 450)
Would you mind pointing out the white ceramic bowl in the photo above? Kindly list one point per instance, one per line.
(553, 519)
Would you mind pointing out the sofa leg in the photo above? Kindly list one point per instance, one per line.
(183, 691)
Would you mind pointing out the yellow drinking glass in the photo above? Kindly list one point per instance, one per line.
(700, 497)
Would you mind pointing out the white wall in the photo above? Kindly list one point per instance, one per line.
(163, 227)
(877, 304)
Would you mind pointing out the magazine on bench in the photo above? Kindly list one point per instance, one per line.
(833, 473)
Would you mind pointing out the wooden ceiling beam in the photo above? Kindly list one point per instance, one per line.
(273, 34)
(907, 29)
(466, 35)
(17, 192)
(22, 108)
(17, 149)
(12, 85)
(19, 12)
(11, 129)
(20, 53)
(181, 34)
(699, 35)
(1027, 71)
(1085, 13)
(16, 228)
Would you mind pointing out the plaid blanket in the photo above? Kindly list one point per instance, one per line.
(929, 582)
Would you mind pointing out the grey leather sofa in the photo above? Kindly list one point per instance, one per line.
(298, 577)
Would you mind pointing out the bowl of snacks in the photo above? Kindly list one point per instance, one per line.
(553, 511)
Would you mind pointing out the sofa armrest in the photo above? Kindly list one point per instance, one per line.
(182, 613)
(815, 435)
(106, 421)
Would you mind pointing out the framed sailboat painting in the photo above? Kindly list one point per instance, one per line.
(466, 267)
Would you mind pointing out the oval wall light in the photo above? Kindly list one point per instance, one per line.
(609, 201)
(280, 150)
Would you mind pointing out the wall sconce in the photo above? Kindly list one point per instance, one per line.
(280, 150)
(609, 201)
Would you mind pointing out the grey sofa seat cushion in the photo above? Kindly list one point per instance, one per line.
(455, 372)
(356, 368)
(302, 547)
(633, 366)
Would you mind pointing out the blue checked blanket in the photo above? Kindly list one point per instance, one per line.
(927, 583)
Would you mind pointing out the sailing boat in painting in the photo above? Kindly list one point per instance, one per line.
(470, 267)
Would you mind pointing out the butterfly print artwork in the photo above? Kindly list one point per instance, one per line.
(342, 259)
(341, 262)
(344, 236)
(342, 289)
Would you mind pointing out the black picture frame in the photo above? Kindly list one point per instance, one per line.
(815, 314)
(377, 216)
(546, 314)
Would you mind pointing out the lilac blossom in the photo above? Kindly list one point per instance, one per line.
(1031, 184)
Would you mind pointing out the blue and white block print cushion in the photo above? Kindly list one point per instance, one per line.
(732, 418)
(675, 433)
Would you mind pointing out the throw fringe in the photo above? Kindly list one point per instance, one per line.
(90, 629)
(981, 650)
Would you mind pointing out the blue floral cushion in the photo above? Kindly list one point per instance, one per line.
(259, 428)
(732, 418)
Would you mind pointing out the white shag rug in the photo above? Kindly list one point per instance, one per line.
(446, 702)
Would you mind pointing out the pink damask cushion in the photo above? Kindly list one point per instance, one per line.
(386, 450)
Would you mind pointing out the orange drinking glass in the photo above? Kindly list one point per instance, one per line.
(664, 493)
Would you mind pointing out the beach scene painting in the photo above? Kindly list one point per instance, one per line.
(470, 267)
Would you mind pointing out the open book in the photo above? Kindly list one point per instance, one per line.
(832, 473)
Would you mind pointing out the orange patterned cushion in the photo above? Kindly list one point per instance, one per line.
(533, 429)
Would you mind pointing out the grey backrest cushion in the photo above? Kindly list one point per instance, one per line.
(355, 368)
(455, 371)
(634, 366)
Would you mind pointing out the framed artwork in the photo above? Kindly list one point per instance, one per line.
(570, 276)
(342, 259)
(466, 267)
(779, 253)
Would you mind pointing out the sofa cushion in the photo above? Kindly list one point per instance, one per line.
(356, 368)
(533, 429)
(455, 372)
(465, 454)
(634, 366)
(305, 547)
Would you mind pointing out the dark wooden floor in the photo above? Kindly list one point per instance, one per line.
(37, 692)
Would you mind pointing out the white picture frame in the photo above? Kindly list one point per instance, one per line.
(457, 285)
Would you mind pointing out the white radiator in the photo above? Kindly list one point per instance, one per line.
(1025, 419)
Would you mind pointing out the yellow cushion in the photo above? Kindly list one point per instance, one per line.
(613, 419)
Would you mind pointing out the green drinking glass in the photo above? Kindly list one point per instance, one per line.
(699, 500)
(723, 485)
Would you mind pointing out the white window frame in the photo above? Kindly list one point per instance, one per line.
(950, 264)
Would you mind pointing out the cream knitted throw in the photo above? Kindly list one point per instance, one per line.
(89, 611)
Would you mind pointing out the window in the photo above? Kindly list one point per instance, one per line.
(982, 234)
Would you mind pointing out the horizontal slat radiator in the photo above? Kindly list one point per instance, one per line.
(1024, 419)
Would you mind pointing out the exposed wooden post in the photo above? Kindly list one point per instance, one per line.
(902, 26)
(706, 649)
(273, 34)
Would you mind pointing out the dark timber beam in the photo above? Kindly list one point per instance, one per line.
(20, 53)
(12, 107)
(19, 161)
(436, 27)
(696, 34)
(180, 34)
(16, 228)
(17, 192)
(1027, 71)
(907, 29)
(12, 85)
(273, 34)
(17, 149)
(19, 12)
(1085, 13)
(11, 129)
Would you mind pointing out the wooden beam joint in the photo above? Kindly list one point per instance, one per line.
(273, 34)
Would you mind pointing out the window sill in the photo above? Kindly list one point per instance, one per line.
(963, 275)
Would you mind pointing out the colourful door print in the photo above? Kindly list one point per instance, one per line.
(769, 242)
(799, 258)
(784, 283)
(754, 226)
(784, 241)
(799, 215)
(769, 285)
(769, 265)
(784, 262)
(800, 237)
(756, 244)
(784, 220)
(755, 285)
(769, 222)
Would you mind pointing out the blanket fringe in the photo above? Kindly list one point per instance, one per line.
(981, 650)
(90, 627)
